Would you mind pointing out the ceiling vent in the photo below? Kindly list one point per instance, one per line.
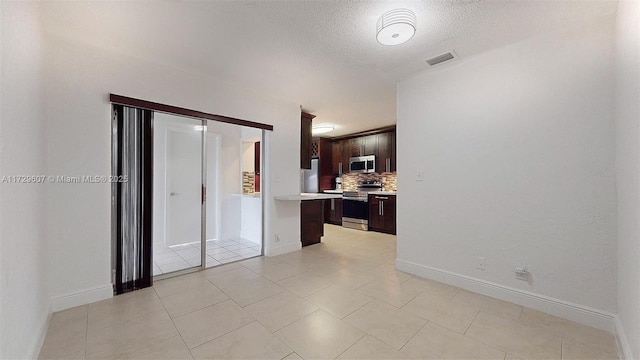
(441, 58)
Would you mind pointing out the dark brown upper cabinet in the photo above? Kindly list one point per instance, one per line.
(322, 149)
(378, 142)
(337, 162)
(369, 145)
(305, 140)
(386, 156)
(355, 147)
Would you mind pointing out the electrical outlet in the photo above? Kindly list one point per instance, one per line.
(277, 237)
(481, 263)
(419, 175)
(521, 272)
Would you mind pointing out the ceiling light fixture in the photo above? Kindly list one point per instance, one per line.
(321, 129)
(396, 27)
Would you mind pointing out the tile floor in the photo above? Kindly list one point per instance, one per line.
(341, 299)
(185, 256)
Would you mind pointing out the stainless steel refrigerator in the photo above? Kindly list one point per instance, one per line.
(310, 179)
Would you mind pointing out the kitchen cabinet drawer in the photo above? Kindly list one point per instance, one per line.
(382, 213)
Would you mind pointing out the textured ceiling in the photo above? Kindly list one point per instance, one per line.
(320, 54)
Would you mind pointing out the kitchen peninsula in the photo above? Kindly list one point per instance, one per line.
(311, 214)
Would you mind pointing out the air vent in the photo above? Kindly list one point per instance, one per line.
(441, 58)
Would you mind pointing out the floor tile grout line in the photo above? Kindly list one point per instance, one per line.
(179, 334)
(350, 346)
(504, 350)
(472, 321)
(414, 335)
(363, 305)
(227, 333)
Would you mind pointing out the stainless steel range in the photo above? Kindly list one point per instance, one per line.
(355, 205)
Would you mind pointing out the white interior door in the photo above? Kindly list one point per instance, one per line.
(184, 186)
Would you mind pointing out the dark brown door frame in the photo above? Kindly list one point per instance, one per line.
(149, 105)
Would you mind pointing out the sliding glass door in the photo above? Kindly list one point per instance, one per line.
(179, 162)
(190, 195)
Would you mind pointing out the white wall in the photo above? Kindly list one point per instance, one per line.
(251, 226)
(24, 293)
(251, 221)
(248, 152)
(230, 177)
(214, 226)
(79, 78)
(627, 133)
(516, 145)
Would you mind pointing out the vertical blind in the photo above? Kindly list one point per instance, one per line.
(132, 170)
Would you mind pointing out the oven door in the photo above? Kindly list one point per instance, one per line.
(355, 213)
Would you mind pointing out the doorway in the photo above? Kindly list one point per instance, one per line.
(189, 203)
(193, 231)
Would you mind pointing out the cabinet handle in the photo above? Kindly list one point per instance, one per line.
(382, 197)
(340, 168)
(382, 205)
(333, 204)
(379, 209)
(388, 164)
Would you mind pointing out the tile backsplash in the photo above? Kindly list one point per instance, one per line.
(388, 180)
(248, 182)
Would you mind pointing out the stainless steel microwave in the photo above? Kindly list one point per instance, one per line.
(362, 164)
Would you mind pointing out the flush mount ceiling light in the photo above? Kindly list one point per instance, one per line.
(321, 129)
(396, 27)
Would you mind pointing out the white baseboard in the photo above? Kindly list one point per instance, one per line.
(81, 298)
(282, 249)
(564, 309)
(624, 349)
(38, 340)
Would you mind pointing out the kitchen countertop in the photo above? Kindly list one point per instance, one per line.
(333, 191)
(307, 196)
(252, 195)
(383, 193)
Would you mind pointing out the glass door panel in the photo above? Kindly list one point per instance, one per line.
(178, 179)
(234, 201)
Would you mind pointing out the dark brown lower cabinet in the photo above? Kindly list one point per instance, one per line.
(382, 213)
(333, 211)
(311, 221)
